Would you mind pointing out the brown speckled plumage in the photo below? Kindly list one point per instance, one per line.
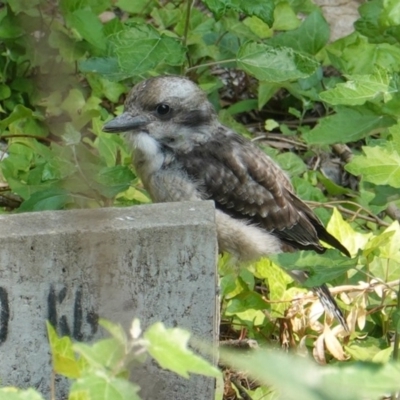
(182, 152)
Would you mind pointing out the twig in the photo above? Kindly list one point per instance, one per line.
(362, 287)
(242, 392)
(393, 211)
(355, 214)
(211, 64)
(396, 343)
(240, 344)
(278, 138)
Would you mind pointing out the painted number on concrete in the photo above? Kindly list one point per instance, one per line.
(80, 318)
(4, 315)
(84, 322)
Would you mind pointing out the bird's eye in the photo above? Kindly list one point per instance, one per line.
(163, 109)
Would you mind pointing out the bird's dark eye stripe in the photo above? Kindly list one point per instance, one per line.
(195, 118)
(163, 109)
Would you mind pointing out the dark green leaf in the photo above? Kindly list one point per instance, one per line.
(323, 267)
(48, 199)
(347, 125)
(89, 27)
(310, 37)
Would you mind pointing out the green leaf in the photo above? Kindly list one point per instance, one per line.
(342, 230)
(141, 48)
(19, 112)
(5, 91)
(100, 385)
(116, 330)
(368, 380)
(378, 165)
(71, 136)
(263, 9)
(291, 163)
(114, 180)
(64, 360)
(169, 347)
(135, 7)
(274, 64)
(47, 199)
(347, 125)
(285, 18)
(104, 354)
(88, 26)
(391, 13)
(361, 88)
(12, 393)
(310, 37)
(278, 280)
(323, 267)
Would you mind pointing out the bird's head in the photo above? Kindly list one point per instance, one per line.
(172, 110)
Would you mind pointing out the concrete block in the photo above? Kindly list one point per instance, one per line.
(156, 262)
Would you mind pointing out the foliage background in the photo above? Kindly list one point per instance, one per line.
(328, 113)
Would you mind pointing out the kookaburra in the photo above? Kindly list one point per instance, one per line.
(183, 153)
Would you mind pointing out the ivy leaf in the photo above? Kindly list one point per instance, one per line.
(347, 125)
(169, 347)
(274, 64)
(378, 165)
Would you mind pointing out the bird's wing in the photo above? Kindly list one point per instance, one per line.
(245, 183)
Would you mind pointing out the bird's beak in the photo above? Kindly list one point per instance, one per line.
(125, 122)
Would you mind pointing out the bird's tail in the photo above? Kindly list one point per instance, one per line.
(330, 305)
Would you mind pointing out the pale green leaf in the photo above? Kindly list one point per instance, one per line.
(64, 360)
(106, 353)
(142, 48)
(391, 13)
(169, 347)
(285, 18)
(353, 381)
(342, 231)
(377, 165)
(100, 385)
(278, 280)
(274, 64)
(360, 88)
(12, 393)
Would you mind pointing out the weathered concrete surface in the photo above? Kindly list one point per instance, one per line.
(155, 262)
(341, 15)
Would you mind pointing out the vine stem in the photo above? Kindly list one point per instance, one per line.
(211, 64)
(187, 21)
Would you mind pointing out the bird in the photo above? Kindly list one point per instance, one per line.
(181, 152)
